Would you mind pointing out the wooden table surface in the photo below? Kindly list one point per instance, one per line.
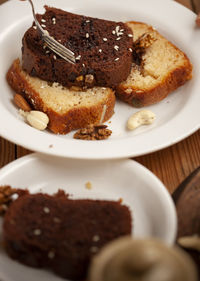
(171, 165)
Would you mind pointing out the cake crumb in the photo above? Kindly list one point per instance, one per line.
(88, 185)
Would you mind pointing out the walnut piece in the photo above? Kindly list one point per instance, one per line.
(93, 132)
(140, 46)
(6, 193)
(145, 40)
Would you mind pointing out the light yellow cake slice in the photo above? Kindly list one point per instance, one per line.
(67, 108)
(164, 69)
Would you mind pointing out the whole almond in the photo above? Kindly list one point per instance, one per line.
(21, 102)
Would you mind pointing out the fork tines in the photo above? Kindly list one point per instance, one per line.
(54, 45)
(59, 49)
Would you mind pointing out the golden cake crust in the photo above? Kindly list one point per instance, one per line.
(165, 69)
(75, 116)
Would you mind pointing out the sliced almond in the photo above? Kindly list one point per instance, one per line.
(20, 101)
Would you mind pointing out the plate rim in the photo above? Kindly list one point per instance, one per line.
(84, 147)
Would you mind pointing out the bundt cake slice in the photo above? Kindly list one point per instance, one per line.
(60, 233)
(103, 50)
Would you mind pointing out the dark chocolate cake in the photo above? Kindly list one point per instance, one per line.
(103, 50)
(62, 234)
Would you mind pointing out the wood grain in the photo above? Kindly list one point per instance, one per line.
(196, 5)
(186, 3)
(21, 151)
(2, 1)
(172, 165)
(7, 152)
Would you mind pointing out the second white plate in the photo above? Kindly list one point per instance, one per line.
(151, 205)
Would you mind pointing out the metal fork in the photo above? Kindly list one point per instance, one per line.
(54, 45)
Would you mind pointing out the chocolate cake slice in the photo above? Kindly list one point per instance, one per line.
(60, 233)
(103, 50)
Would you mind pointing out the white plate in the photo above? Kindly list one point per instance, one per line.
(150, 203)
(177, 116)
